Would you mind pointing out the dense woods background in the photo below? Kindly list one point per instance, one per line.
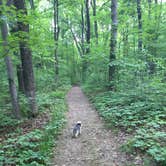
(114, 49)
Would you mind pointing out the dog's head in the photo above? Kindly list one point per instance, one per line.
(79, 123)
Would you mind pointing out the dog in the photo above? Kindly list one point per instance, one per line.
(77, 129)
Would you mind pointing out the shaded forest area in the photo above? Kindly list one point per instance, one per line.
(115, 50)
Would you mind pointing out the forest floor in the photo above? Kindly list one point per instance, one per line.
(96, 146)
(25, 126)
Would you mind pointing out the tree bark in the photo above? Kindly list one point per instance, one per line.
(151, 64)
(125, 40)
(87, 36)
(149, 8)
(20, 79)
(139, 13)
(56, 36)
(76, 42)
(82, 28)
(26, 59)
(32, 4)
(87, 26)
(95, 21)
(113, 43)
(10, 72)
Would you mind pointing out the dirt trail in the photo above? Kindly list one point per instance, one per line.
(95, 147)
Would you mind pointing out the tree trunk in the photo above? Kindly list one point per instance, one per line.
(26, 59)
(20, 79)
(149, 8)
(139, 13)
(82, 28)
(56, 36)
(32, 4)
(125, 40)
(95, 21)
(113, 42)
(76, 42)
(87, 27)
(10, 72)
(151, 64)
(87, 48)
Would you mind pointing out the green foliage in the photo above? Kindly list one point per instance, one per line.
(138, 103)
(7, 121)
(152, 141)
(35, 147)
(21, 150)
(141, 112)
(24, 105)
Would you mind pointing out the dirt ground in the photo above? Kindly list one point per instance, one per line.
(96, 146)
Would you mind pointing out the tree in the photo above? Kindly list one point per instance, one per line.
(87, 26)
(76, 42)
(82, 28)
(87, 36)
(13, 31)
(95, 21)
(10, 70)
(20, 78)
(32, 4)
(26, 56)
(139, 13)
(113, 43)
(56, 35)
(149, 8)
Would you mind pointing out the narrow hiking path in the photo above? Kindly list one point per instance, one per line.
(95, 147)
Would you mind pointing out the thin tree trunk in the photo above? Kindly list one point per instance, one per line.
(149, 8)
(10, 73)
(151, 63)
(32, 4)
(87, 27)
(156, 2)
(82, 28)
(156, 26)
(76, 42)
(113, 43)
(56, 36)
(139, 13)
(87, 48)
(95, 21)
(26, 59)
(125, 41)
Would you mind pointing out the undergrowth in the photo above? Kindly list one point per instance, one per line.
(34, 148)
(137, 111)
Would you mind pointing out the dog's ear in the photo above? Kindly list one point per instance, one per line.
(79, 122)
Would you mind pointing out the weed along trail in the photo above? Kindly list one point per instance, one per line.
(95, 147)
